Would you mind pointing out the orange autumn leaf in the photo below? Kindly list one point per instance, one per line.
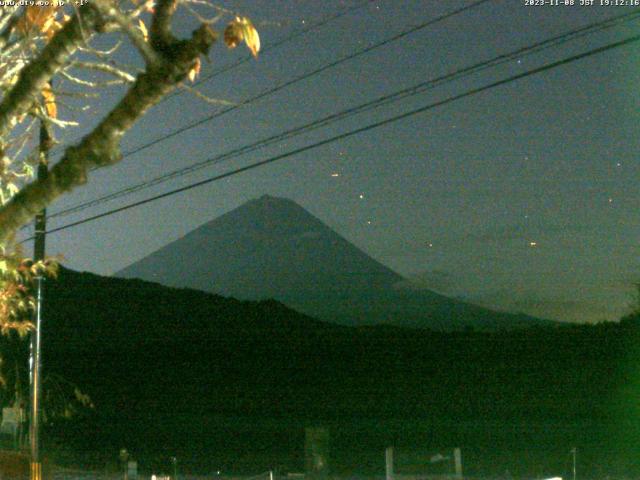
(232, 35)
(50, 102)
(41, 18)
(241, 29)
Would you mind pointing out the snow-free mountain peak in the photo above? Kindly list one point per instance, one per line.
(271, 247)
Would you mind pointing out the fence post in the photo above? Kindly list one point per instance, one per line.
(389, 462)
(457, 457)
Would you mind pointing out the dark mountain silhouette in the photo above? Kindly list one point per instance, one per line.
(228, 384)
(273, 248)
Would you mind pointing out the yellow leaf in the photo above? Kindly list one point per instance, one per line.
(143, 29)
(148, 5)
(241, 29)
(251, 37)
(50, 102)
(52, 29)
(195, 70)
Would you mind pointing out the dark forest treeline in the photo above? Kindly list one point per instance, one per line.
(226, 382)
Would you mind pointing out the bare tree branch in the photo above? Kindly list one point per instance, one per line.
(101, 147)
(8, 21)
(206, 98)
(106, 68)
(35, 76)
(161, 37)
(124, 22)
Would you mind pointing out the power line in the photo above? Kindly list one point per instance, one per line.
(356, 131)
(284, 85)
(272, 46)
(310, 74)
(380, 101)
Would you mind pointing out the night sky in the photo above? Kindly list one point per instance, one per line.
(524, 197)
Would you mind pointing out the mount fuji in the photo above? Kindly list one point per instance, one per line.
(271, 247)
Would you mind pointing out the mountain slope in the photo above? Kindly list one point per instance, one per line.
(273, 248)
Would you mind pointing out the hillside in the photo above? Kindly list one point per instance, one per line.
(177, 371)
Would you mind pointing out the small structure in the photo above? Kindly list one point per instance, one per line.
(132, 470)
(417, 465)
(13, 425)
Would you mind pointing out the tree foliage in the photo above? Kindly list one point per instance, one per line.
(53, 66)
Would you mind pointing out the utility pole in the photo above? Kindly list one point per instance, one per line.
(35, 362)
(574, 451)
